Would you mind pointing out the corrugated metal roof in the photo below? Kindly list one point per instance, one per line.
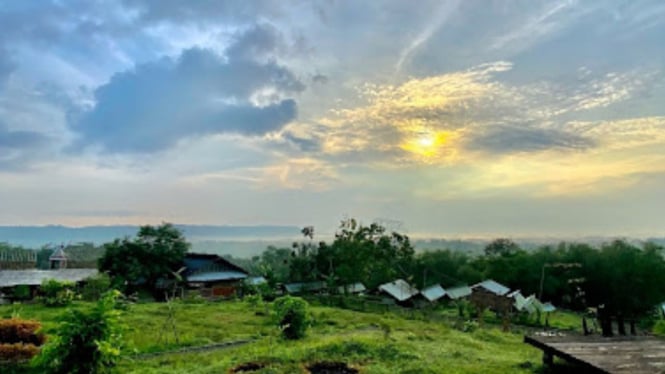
(352, 288)
(304, 287)
(492, 286)
(34, 277)
(255, 281)
(433, 293)
(548, 307)
(216, 276)
(58, 254)
(458, 292)
(521, 302)
(399, 289)
(206, 262)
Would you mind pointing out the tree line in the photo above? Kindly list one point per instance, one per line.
(623, 279)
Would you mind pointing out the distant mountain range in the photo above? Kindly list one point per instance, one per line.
(37, 236)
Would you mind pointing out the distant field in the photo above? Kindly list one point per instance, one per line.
(371, 342)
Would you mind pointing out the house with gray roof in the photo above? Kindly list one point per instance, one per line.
(304, 287)
(33, 278)
(214, 276)
(491, 286)
(354, 288)
(457, 293)
(433, 293)
(399, 290)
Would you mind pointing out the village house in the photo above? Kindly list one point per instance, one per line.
(352, 289)
(212, 275)
(298, 288)
(458, 293)
(398, 291)
(31, 278)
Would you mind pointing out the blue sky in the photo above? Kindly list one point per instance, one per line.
(457, 118)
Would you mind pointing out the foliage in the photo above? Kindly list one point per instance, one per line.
(659, 328)
(156, 252)
(254, 300)
(366, 254)
(470, 326)
(274, 265)
(57, 293)
(501, 247)
(22, 292)
(86, 341)
(96, 286)
(292, 316)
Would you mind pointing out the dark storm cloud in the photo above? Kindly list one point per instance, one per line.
(510, 139)
(153, 106)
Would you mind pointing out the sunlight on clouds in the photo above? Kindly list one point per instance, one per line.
(299, 173)
(508, 138)
(431, 145)
(395, 117)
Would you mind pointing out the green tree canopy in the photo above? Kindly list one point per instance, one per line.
(154, 253)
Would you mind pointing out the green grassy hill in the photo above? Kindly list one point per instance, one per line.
(368, 342)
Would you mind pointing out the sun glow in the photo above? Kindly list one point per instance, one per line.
(427, 145)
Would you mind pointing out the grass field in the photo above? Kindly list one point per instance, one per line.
(368, 341)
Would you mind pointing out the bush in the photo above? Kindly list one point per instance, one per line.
(96, 286)
(56, 293)
(22, 292)
(292, 316)
(659, 328)
(86, 341)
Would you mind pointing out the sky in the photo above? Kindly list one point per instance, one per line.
(444, 118)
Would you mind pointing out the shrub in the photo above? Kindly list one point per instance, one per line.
(56, 293)
(659, 328)
(86, 341)
(22, 292)
(292, 316)
(470, 326)
(254, 301)
(96, 286)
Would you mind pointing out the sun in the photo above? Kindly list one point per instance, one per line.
(426, 141)
(426, 145)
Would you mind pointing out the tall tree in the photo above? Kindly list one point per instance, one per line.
(154, 253)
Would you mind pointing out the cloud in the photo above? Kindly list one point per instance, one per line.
(153, 106)
(548, 21)
(448, 118)
(6, 66)
(509, 139)
(202, 11)
(445, 11)
(18, 147)
(19, 139)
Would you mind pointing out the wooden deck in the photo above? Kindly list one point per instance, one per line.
(618, 355)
